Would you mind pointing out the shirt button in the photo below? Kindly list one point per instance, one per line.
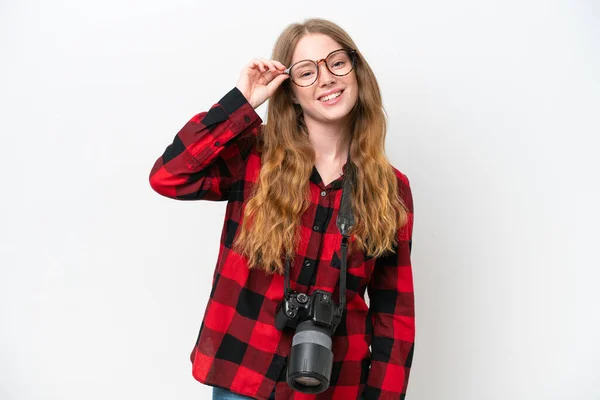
(323, 193)
(247, 119)
(316, 228)
(217, 143)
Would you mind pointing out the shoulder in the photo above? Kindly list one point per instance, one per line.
(402, 178)
(404, 189)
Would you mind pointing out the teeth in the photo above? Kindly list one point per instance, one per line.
(331, 96)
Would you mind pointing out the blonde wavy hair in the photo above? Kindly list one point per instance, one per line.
(270, 228)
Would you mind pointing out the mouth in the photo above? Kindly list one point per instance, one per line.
(331, 98)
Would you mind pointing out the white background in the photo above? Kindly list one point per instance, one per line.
(493, 115)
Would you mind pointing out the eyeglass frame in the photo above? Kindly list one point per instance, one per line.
(352, 53)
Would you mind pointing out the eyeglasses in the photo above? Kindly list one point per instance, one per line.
(306, 72)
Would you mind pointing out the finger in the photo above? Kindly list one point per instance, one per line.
(270, 75)
(276, 82)
(279, 65)
(258, 64)
(269, 64)
(265, 64)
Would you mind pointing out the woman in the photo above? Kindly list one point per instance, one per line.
(283, 183)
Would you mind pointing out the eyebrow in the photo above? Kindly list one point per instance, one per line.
(312, 59)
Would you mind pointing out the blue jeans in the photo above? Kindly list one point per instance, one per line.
(224, 394)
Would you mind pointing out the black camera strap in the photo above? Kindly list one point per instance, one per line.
(344, 222)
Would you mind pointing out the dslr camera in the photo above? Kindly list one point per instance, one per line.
(315, 318)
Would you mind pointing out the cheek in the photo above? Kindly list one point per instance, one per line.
(354, 86)
(306, 99)
(354, 96)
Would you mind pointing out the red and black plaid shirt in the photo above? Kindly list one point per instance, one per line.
(214, 157)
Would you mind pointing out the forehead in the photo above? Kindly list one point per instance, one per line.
(314, 46)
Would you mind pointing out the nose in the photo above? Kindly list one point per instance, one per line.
(325, 76)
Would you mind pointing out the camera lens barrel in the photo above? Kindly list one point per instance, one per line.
(310, 359)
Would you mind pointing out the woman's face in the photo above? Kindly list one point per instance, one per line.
(311, 98)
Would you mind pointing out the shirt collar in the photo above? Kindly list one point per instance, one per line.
(316, 179)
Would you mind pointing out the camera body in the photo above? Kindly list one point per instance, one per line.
(315, 319)
(299, 307)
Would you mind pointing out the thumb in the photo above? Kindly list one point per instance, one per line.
(278, 80)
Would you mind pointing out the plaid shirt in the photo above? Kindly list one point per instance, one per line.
(213, 157)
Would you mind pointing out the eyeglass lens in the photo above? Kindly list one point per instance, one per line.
(305, 73)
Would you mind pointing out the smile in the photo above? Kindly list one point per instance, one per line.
(331, 96)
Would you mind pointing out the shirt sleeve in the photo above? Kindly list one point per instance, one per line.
(208, 154)
(391, 295)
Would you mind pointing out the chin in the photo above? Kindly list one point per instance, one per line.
(333, 114)
(337, 114)
(335, 117)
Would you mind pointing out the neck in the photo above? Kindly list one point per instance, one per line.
(330, 142)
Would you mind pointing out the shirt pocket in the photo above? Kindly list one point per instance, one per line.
(359, 268)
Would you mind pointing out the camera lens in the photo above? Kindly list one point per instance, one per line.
(311, 359)
(308, 381)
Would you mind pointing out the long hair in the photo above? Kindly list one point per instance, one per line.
(270, 228)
